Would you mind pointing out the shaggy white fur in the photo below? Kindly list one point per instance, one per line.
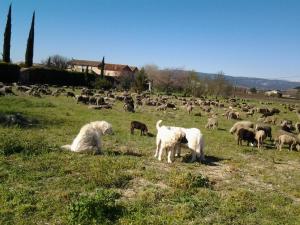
(193, 136)
(167, 139)
(88, 139)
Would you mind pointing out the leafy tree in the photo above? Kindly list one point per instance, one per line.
(30, 44)
(253, 90)
(102, 83)
(140, 81)
(7, 38)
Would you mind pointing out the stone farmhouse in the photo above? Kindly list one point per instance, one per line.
(112, 70)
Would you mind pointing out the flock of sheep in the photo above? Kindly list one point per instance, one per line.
(170, 138)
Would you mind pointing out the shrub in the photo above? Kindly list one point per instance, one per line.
(12, 142)
(188, 181)
(100, 208)
(42, 75)
(103, 83)
(9, 72)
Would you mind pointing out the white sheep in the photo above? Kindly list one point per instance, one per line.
(260, 136)
(241, 124)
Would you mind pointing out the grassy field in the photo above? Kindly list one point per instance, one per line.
(41, 184)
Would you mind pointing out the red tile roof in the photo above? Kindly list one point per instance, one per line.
(108, 66)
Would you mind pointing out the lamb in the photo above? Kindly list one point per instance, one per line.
(287, 139)
(88, 139)
(193, 137)
(241, 124)
(260, 136)
(267, 129)
(270, 119)
(189, 108)
(167, 139)
(246, 135)
(212, 123)
(140, 126)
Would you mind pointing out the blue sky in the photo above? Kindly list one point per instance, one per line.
(256, 38)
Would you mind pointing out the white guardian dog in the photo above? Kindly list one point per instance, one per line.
(167, 139)
(88, 140)
(193, 136)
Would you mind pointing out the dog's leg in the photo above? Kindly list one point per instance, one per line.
(194, 156)
(170, 153)
(160, 152)
(158, 142)
(178, 150)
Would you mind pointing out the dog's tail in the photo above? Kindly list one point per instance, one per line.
(66, 147)
(158, 124)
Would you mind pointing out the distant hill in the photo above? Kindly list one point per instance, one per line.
(258, 83)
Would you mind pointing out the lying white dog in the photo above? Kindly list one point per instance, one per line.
(167, 139)
(194, 138)
(88, 139)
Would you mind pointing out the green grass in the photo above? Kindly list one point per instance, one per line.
(39, 183)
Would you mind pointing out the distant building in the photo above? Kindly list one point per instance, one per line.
(274, 93)
(113, 70)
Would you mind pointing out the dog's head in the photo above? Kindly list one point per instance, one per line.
(103, 127)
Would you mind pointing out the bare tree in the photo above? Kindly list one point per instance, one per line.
(56, 61)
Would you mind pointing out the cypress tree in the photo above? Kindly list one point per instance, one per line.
(7, 38)
(30, 44)
(102, 68)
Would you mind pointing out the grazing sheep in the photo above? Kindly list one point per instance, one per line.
(287, 125)
(70, 94)
(212, 123)
(140, 126)
(162, 108)
(88, 139)
(286, 139)
(270, 120)
(167, 139)
(128, 107)
(260, 136)
(244, 134)
(267, 129)
(232, 115)
(82, 98)
(241, 124)
(6, 90)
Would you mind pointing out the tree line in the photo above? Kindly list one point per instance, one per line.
(188, 82)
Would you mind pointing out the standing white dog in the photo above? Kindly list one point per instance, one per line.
(167, 139)
(88, 139)
(194, 138)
